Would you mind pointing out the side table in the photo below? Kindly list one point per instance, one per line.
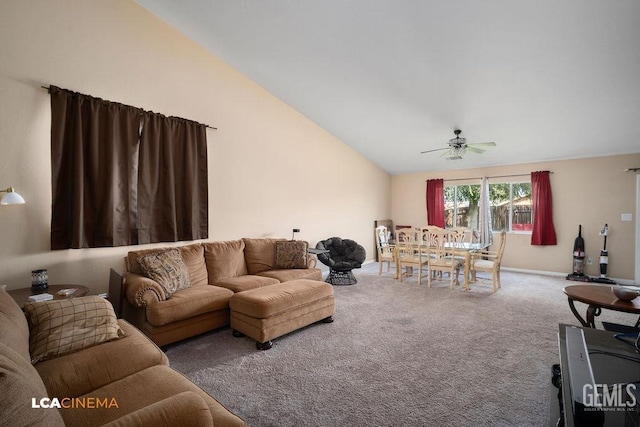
(20, 296)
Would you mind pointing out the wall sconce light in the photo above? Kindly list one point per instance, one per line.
(11, 198)
(295, 230)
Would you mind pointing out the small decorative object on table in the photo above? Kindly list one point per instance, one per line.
(39, 279)
(40, 297)
(66, 292)
(625, 293)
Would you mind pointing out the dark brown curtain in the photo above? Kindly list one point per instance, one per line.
(544, 233)
(172, 180)
(435, 202)
(93, 143)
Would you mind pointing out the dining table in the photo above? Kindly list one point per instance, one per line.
(461, 249)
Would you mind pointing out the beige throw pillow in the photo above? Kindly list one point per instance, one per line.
(291, 254)
(60, 327)
(167, 269)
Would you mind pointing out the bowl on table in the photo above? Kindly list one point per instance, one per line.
(625, 293)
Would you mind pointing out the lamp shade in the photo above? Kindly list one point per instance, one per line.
(11, 197)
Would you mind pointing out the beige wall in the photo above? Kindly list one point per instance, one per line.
(590, 192)
(270, 168)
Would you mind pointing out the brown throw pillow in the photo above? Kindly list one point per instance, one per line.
(291, 254)
(166, 268)
(60, 327)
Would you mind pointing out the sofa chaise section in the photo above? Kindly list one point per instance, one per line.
(130, 372)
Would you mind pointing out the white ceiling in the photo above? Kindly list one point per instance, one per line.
(544, 79)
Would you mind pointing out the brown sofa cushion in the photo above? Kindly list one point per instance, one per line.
(73, 375)
(15, 330)
(260, 254)
(224, 259)
(64, 326)
(142, 389)
(272, 300)
(193, 257)
(291, 254)
(183, 409)
(167, 268)
(20, 382)
(246, 282)
(188, 303)
(293, 274)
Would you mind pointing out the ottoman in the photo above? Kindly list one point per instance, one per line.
(275, 310)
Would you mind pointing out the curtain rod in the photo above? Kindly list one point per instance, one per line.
(632, 170)
(496, 176)
(48, 88)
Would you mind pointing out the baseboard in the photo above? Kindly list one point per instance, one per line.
(541, 272)
(558, 274)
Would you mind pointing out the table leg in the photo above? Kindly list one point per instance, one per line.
(467, 262)
(397, 262)
(592, 312)
(575, 313)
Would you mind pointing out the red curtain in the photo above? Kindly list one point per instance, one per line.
(544, 233)
(435, 202)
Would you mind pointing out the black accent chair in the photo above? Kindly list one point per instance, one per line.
(344, 255)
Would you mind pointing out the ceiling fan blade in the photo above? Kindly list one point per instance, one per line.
(431, 151)
(475, 150)
(482, 144)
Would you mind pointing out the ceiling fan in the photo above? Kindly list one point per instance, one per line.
(458, 147)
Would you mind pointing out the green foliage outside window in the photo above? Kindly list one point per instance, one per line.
(510, 206)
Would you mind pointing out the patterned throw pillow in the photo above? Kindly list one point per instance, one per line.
(291, 254)
(167, 269)
(60, 327)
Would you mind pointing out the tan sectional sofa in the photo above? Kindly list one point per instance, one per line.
(216, 270)
(129, 375)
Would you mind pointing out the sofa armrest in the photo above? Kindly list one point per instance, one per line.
(186, 408)
(142, 291)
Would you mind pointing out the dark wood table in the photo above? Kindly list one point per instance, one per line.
(20, 296)
(598, 297)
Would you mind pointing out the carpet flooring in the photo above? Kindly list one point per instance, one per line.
(398, 354)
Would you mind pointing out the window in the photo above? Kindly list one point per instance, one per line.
(511, 206)
(462, 206)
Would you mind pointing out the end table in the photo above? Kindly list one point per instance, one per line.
(20, 296)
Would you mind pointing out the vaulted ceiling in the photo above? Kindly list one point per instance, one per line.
(544, 79)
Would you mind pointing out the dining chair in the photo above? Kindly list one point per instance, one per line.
(461, 235)
(426, 234)
(410, 256)
(464, 234)
(442, 257)
(489, 261)
(386, 251)
(406, 235)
